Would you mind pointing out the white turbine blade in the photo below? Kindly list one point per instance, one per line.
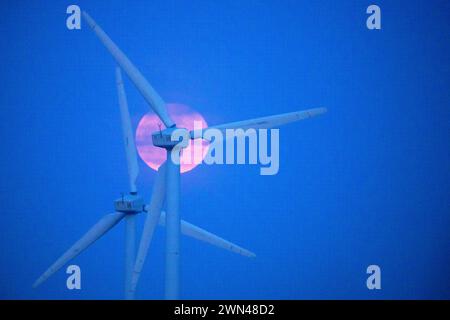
(147, 91)
(153, 213)
(99, 229)
(127, 131)
(264, 122)
(195, 232)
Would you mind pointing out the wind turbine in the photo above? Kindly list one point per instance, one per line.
(131, 204)
(167, 185)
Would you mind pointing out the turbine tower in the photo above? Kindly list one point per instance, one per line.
(166, 187)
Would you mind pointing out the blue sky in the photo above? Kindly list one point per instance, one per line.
(367, 183)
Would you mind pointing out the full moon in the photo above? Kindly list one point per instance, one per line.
(184, 116)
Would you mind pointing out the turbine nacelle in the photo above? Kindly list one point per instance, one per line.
(130, 203)
(171, 137)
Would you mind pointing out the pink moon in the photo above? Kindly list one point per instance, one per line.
(184, 116)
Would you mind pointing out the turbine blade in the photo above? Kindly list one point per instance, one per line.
(99, 229)
(127, 131)
(195, 232)
(153, 213)
(147, 91)
(264, 122)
